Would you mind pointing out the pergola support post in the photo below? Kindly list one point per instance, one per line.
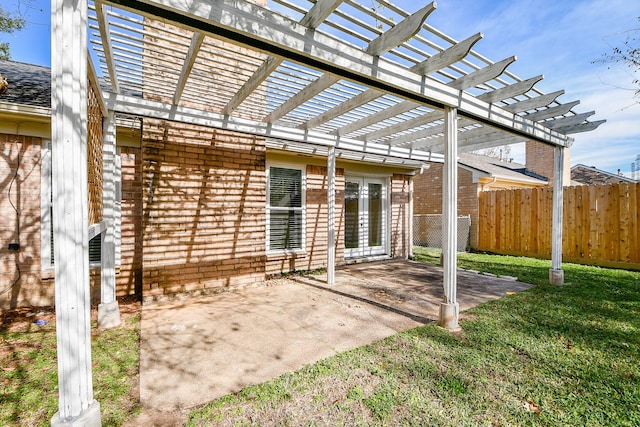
(449, 307)
(76, 404)
(108, 309)
(331, 216)
(556, 274)
(410, 225)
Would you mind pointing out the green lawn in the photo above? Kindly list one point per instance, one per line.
(29, 392)
(549, 356)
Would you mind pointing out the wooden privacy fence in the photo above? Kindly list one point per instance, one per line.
(601, 223)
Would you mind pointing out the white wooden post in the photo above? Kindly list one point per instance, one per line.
(76, 404)
(331, 216)
(108, 310)
(410, 225)
(449, 307)
(556, 274)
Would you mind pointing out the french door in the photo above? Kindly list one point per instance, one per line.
(366, 212)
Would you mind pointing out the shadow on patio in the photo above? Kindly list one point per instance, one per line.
(198, 349)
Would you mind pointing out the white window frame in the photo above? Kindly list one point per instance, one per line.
(46, 261)
(302, 208)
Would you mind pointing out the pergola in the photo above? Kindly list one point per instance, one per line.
(332, 77)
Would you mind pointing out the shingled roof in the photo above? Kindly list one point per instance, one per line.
(28, 84)
(590, 175)
(500, 169)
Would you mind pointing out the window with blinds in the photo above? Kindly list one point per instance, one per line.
(285, 209)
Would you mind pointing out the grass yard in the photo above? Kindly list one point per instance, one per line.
(549, 356)
(29, 393)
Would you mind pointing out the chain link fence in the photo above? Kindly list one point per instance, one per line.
(427, 231)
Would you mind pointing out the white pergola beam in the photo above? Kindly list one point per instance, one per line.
(582, 127)
(403, 126)
(387, 113)
(314, 17)
(533, 103)
(187, 66)
(472, 79)
(343, 108)
(510, 91)
(400, 32)
(76, 403)
(448, 56)
(386, 41)
(103, 27)
(482, 75)
(153, 109)
(552, 111)
(569, 121)
(259, 28)
(426, 133)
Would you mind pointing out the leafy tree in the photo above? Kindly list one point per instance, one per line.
(502, 152)
(8, 24)
(628, 55)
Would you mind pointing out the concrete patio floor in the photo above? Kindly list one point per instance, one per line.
(200, 348)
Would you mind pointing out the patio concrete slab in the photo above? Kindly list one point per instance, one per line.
(198, 349)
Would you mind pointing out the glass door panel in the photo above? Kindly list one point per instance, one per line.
(365, 207)
(352, 215)
(375, 214)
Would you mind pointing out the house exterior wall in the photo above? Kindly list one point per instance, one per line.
(193, 215)
(129, 271)
(24, 281)
(203, 208)
(21, 281)
(428, 196)
(204, 197)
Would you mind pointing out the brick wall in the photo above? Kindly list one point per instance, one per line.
(36, 285)
(204, 193)
(539, 158)
(21, 267)
(428, 195)
(129, 273)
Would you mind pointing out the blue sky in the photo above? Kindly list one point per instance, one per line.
(557, 38)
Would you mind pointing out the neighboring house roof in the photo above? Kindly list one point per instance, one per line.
(589, 175)
(28, 84)
(497, 168)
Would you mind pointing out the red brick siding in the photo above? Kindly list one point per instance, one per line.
(539, 158)
(21, 153)
(204, 194)
(129, 277)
